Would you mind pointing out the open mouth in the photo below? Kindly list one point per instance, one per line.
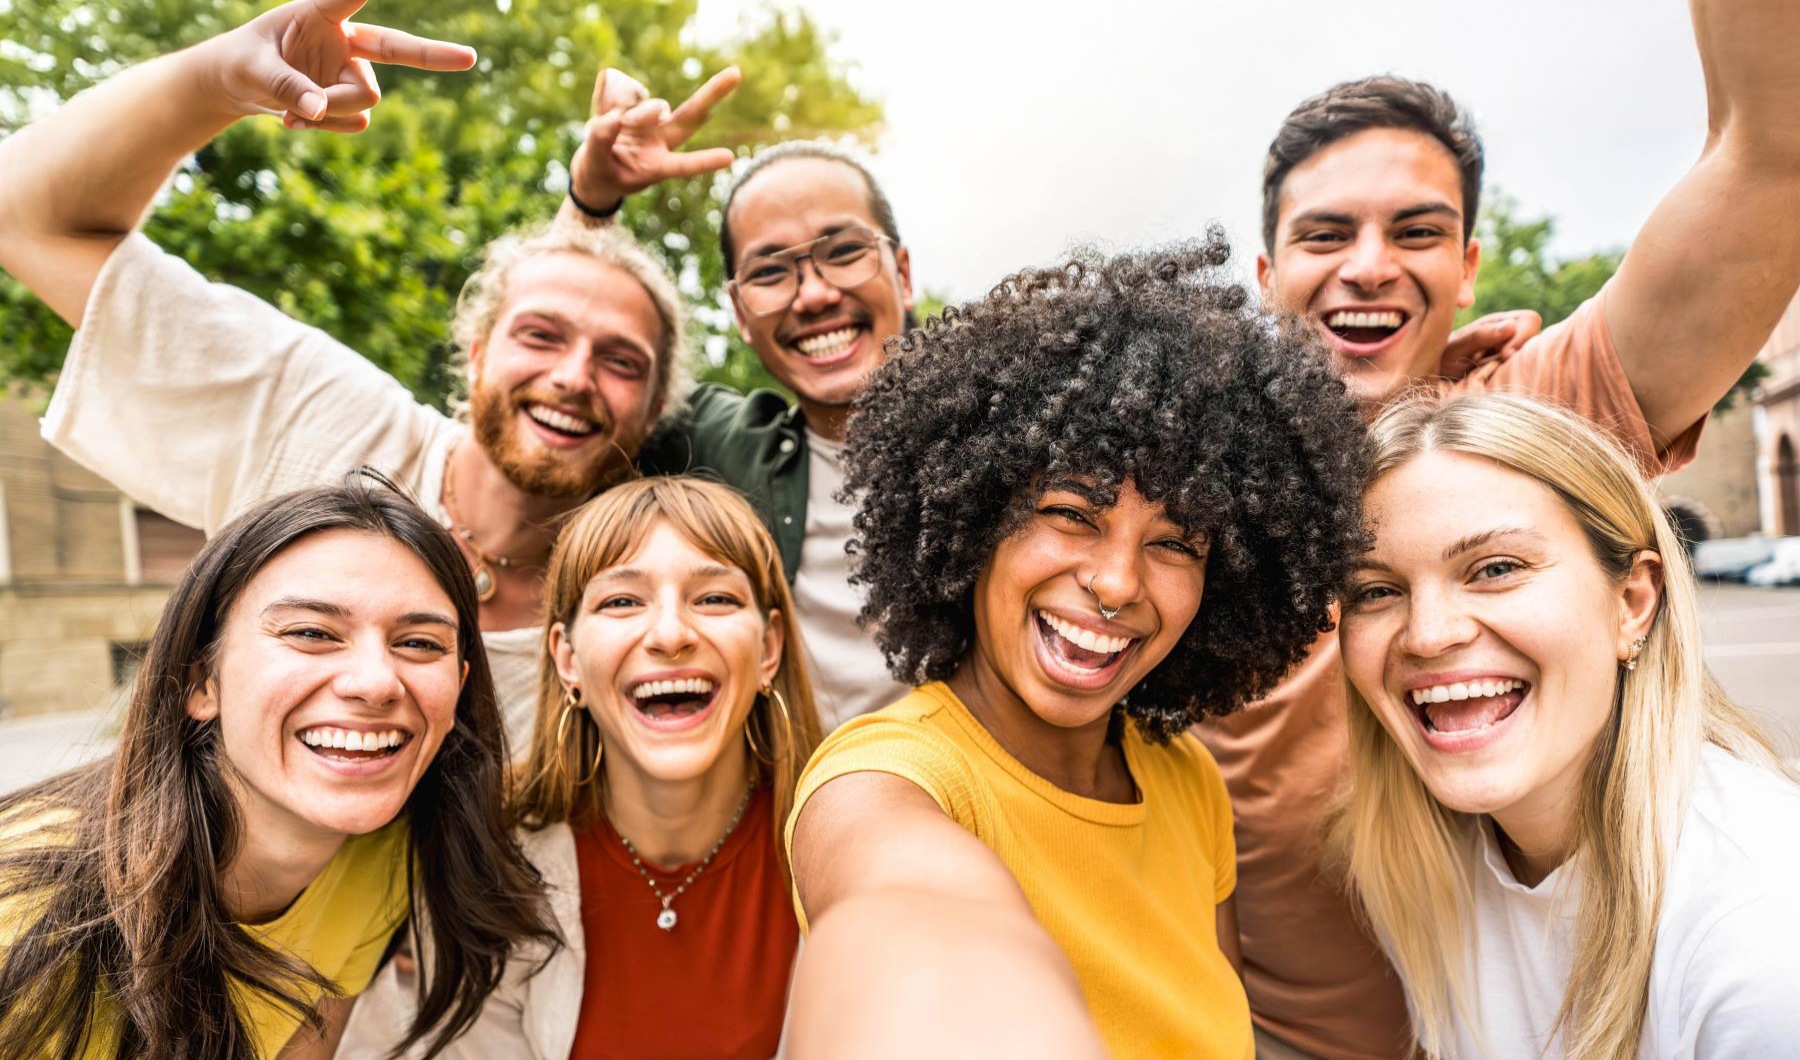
(1467, 706)
(560, 422)
(829, 344)
(1078, 656)
(353, 745)
(1365, 328)
(674, 700)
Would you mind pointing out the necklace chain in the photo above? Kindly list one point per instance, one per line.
(484, 578)
(666, 918)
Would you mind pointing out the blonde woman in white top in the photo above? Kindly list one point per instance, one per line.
(1571, 843)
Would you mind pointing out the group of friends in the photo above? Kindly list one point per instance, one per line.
(1123, 663)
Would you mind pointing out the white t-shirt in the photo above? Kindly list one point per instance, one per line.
(849, 675)
(1725, 976)
(200, 400)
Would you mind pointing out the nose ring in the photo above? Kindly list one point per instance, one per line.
(1108, 613)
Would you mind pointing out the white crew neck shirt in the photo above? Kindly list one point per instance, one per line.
(849, 675)
(1725, 976)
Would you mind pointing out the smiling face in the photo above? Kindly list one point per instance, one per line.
(563, 388)
(1487, 637)
(335, 680)
(1039, 632)
(824, 345)
(1369, 249)
(668, 648)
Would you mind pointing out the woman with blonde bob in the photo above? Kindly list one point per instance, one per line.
(1570, 842)
(674, 715)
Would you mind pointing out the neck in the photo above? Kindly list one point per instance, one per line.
(1077, 760)
(273, 865)
(675, 823)
(1535, 841)
(826, 421)
(506, 520)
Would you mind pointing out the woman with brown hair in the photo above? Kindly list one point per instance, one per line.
(312, 751)
(674, 716)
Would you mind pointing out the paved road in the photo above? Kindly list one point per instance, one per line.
(1752, 644)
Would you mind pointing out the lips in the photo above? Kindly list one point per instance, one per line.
(829, 345)
(1461, 711)
(560, 421)
(1364, 331)
(1079, 658)
(353, 745)
(673, 702)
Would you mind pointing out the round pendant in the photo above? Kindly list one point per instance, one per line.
(666, 920)
(484, 583)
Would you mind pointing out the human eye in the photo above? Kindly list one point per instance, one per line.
(536, 335)
(309, 636)
(1180, 547)
(718, 598)
(766, 272)
(1497, 569)
(423, 644)
(1420, 234)
(1368, 594)
(848, 247)
(617, 602)
(1065, 513)
(1321, 237)
(627, 366)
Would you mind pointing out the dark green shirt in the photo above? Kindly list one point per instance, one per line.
(754, 442)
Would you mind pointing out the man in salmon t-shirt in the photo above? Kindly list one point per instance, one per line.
(1370, 194)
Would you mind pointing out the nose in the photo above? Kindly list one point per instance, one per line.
(1369, 265)
(368, 675)
(573, 372)
(670, 634)
(816, 293)
(1435, 624)
(1114, 576)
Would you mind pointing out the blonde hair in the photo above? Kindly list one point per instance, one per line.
(478, 304)
(603, 532)
(1410, 859)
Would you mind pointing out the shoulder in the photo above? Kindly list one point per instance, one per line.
(1182, 768)
(907, 739)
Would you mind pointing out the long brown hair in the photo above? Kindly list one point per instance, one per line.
(609, 528)
(123, 857)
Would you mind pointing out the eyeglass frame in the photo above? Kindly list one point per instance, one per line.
(800, 252)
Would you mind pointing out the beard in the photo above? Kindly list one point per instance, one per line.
(604, 461)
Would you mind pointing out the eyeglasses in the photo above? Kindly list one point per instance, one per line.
(769, 283)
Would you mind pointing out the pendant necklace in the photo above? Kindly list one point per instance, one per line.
(485, 583)
(666, 918)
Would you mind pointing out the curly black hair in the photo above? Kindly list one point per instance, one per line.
(1152, 366)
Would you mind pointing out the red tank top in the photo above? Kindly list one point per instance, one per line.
(715, 986)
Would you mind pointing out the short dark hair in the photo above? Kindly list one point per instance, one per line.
(1152, 366)
(1383, 102)
(879, 207)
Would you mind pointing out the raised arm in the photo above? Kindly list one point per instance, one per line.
(922, 942)
(1719, 259)
(631, 144)
(80, 180)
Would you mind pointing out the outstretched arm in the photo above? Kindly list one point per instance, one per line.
(632, 139)
(1719, 259)
(922, 942)
(79, 181)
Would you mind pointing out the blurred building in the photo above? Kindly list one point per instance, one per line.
(1778, 427)
(84, 573)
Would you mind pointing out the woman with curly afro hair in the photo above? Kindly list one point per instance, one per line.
(1106, 501)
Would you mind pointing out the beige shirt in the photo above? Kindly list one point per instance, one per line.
(1316, 979)
(200, 400)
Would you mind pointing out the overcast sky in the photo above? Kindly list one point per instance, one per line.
(1017, 128)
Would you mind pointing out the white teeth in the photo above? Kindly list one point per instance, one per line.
(829, 344)
(352, 739)
(1083, 638)
(558, 420)
(1463, 690)
(1343, 318)
(699, 686)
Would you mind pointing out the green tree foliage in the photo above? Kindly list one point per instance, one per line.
(371, 236)
(1517, 273)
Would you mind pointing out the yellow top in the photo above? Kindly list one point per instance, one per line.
(340, 925)
(1129, 892)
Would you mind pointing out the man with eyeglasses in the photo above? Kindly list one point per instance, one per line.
(819, 281)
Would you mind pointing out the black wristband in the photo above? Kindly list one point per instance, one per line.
(598, 215)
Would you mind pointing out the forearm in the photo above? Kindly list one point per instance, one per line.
(1752, 81)
(899, 973)
(79, 180)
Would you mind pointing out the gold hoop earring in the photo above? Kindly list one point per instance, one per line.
(571, 703)
(773, 695)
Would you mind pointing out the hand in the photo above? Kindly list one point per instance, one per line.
(631, 139)
(304, 61)
(1492, 339)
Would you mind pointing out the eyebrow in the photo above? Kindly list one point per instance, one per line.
(1332, 217)
(1474, 541)
(613, 340)
(331, 610)
(768, 247)
(706, 570)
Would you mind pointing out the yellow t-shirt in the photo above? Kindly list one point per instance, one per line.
(1129, 892)
(340, 925)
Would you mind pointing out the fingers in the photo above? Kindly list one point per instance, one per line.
(287, 86)
(646, 117)
(356, 92)
(694, 163)
(616, 91)
(338, 123)
(395, 47)
(692, 114)
(338, 10)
